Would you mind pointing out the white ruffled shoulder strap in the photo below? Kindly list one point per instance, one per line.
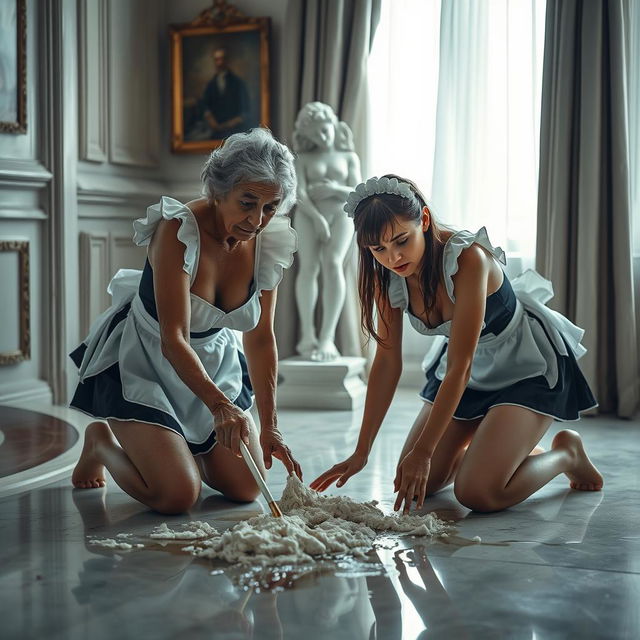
(278, 243)
(397, 292)
(188, 234)
(456, 244)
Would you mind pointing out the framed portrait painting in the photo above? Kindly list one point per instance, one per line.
(13, 68)
(219, 80)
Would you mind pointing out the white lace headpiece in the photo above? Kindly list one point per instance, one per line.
(374, 186)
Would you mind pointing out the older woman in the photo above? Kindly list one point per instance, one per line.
(163, 365)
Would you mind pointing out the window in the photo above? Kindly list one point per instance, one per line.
(455, 105)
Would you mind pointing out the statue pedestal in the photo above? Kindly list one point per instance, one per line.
(305, 384)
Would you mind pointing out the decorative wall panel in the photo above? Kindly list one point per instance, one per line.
(93, 79)
(94, 277)
(14, 314)
(101, 255)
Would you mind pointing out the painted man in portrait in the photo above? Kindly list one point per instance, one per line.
(225, 101)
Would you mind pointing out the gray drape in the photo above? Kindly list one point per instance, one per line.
(584, 223)
(328, 42)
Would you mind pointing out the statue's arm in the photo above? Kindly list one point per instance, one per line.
(354, 176)
(355, 173)
(305, 204)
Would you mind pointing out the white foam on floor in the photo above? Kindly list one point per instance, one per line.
(110, 543)
(312, 526)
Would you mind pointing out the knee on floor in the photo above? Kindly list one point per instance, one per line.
(435, 483)
(242, 493)
(179, 498)
(477, 498)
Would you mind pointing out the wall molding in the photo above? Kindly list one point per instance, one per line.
(25, 213)
(94, 188)
(34, 390)
(22, 351)
(59, 108)
(93, 18)
(26, 174)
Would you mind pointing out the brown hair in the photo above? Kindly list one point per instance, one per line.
(371, 217)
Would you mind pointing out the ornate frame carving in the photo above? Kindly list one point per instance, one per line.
(20, 126)
(222, 19)
(23, 352)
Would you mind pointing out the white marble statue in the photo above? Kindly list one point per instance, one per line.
(328, 169)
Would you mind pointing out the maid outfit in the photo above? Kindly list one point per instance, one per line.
(123, 374)
(526, 355)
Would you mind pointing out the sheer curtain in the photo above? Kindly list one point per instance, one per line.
(634, 145)
(634, 124)
(403, 90)
(455, 91)
(488, 120)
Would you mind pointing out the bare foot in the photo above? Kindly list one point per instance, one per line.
(306, 347)
(537, 450)
(89, 472)
(325, 352)
(583, 475)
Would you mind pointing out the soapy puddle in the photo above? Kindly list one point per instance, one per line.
(316, 533)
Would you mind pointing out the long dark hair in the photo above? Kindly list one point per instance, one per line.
(371, 217)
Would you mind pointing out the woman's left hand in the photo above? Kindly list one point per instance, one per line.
(273, 444)
(411, 480)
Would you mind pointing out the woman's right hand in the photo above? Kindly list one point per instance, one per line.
(340, 472)
(231, 425)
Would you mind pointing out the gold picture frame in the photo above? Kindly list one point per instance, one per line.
(13, 92)
(23, 350)
(219, 77)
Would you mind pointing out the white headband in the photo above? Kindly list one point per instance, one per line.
(374, 186)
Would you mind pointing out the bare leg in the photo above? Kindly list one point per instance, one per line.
(333, 285)
(449, 451)
(225, 472)
(498, 471)
(150, 463)
(307, 285)
(333, 294)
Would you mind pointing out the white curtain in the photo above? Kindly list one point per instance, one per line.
(455, 105)
(488, 120)
(403, 82)
(633, 59)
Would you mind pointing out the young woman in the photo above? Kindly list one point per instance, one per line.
(506, 371)
(163, 366)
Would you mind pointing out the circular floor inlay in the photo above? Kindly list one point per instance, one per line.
(31, 438)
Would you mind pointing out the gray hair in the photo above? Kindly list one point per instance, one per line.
(253, 156)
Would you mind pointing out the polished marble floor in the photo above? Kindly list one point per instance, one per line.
(563, 564)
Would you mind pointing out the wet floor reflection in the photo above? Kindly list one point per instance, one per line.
(561, 564)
